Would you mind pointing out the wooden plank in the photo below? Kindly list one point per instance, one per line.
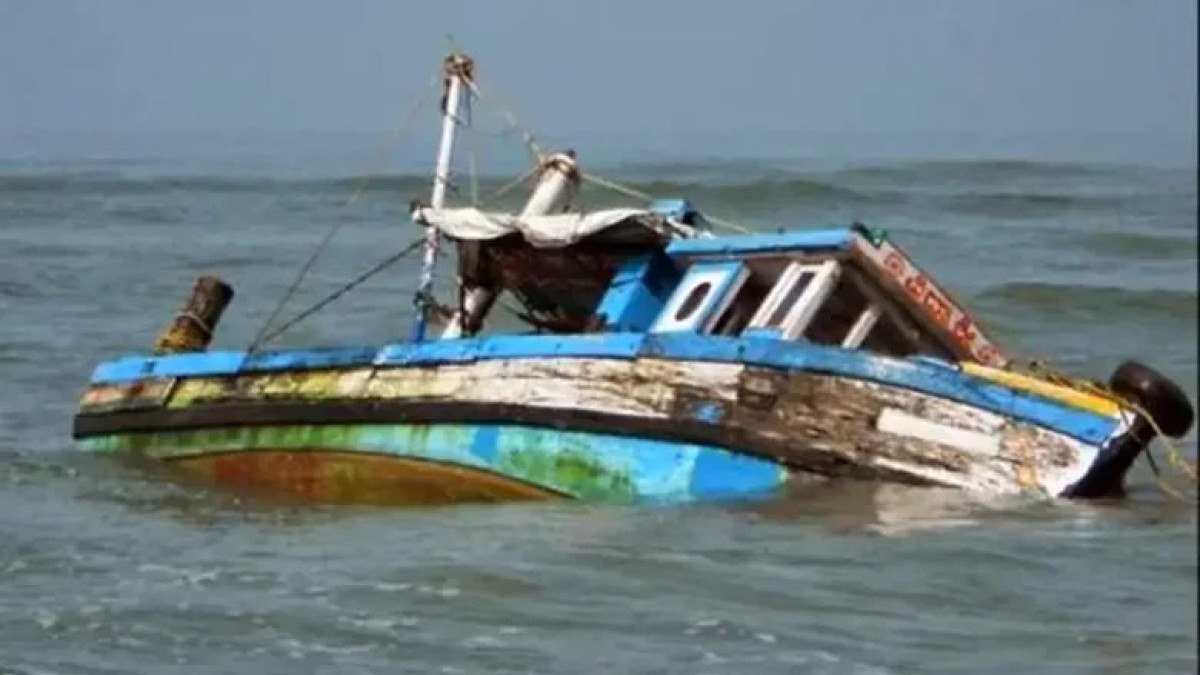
(811, 422)
(137, 395)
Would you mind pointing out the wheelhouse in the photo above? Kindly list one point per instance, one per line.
(847, 288)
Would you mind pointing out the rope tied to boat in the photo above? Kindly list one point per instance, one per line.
(200, 323)
(1175, 457)
(638, 194)
(510, 119)
(541, 162)
(510, 186)
(386, 150)
(178, 338)
(344, 289)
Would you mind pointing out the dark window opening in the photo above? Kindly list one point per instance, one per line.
(693, 300)
(838, 315)
(887, 337)
(793, 294)
(748, 299)
(890, 338)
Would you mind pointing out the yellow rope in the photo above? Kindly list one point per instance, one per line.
(177, 339)
(1175, 457)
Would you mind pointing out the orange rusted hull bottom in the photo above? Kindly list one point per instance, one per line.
(356, 478)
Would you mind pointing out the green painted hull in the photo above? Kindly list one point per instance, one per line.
(434, 463)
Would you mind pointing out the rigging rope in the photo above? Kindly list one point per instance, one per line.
(386, 149)
(637, 194)
(1175, 457)
(509, 186)
(473, 170)
(539, 159)
(506, 113)
(346, 288)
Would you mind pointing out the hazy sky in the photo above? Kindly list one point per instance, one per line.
(970, 67)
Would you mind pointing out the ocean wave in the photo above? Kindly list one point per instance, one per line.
(113, 184)
(729, 192)
(1136, 245)
(1083, 302)
(1023, 205)
(983, 170)
(14, 288)
(734, 193)
(982, 187)
(149, 214)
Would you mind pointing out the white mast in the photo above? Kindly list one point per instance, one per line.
(459, 70)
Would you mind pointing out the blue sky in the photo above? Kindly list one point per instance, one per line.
(695, 72)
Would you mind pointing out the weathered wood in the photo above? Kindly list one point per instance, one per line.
(192, 328)
(807, 421)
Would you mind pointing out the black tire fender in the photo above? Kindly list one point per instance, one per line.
(1161, 398)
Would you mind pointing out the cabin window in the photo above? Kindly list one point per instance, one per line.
(842, 310)
(692, 302)
(888, 337)
(748, 299)
(789, 300)
(703, 295)
(796, 297)
(883, 331)
(858, 316)
(862, 327)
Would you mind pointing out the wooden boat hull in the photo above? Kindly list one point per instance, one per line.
(607, 416)
(329, 476)
(449, 463)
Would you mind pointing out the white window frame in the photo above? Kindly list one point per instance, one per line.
(862, 326)
(825, 277)
(726, 278)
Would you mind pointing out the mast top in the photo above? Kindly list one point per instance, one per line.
(459, 65)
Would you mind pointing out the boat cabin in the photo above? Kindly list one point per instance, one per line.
(847, 287)
(658, 271)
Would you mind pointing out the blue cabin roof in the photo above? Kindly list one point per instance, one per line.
(831, 239)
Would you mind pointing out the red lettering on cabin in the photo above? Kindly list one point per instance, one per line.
(964, 331)
(894, 263)
(940, 308)
(917, 286)
(937, 307)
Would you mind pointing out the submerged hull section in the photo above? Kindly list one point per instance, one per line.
(450, 463)
(586, 418)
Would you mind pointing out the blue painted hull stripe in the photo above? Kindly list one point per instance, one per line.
(809, 240)
(915, 374)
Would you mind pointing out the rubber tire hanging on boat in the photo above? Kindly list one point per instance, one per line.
(1157, 395)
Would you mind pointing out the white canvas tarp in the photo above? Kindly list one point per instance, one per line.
(553, 231)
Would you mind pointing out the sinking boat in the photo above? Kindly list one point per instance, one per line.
(661, 362)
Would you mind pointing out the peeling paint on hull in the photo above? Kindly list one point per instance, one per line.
(435, 464)
(580, 412)
(340, 477)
